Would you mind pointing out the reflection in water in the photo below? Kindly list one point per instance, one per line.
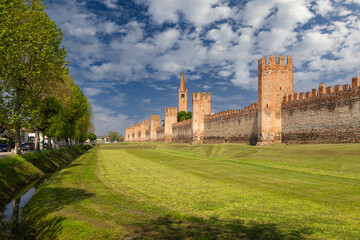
(13, 210)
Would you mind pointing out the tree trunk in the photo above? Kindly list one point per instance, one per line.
(37, 140)
(17, 124)
(42, 141)
(17, 139)
(49, 144)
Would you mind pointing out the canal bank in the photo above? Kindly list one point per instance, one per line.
(21, 176)
(17, 172)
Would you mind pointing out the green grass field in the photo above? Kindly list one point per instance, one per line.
(223, 191)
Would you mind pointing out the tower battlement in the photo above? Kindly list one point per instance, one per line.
(272, 61)
(170, 110)
(155, 117)
(144, 122)
(201, 96)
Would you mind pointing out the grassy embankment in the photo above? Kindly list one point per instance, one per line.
(16, 172)
(202, 192)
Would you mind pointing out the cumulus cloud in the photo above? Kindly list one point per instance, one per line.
(210, 37)
(110, 3)
(198, 12)
(106, 120)
(90, 92)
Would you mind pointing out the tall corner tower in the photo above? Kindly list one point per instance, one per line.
(275, 80)
(201, 106)
(182, 95)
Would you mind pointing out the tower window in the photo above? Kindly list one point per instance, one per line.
(183, 95)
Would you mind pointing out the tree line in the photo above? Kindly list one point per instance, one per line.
(36, 90)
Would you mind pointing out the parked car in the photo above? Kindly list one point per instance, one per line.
(27, 146)
(5, 145)
(46, 145)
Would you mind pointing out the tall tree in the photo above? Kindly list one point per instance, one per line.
(114, 136)
(31, 55)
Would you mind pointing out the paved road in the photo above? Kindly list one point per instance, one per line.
(6, 153)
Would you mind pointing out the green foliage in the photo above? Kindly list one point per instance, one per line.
(31, 57)
(92, 137)
(74, 117)
(182, 116)
(114, 136)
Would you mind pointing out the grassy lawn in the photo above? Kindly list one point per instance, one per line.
(221, 191)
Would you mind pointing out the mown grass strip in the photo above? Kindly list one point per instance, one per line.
(178, 191)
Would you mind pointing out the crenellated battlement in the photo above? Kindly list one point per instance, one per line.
(272, 61)
(181, 124)
(251, 109)
(137, 125)
(144, 122)
(155, 117)
(201, 96)
(170, 110)
(323, 93)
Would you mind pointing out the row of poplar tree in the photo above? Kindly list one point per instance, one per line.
(36, 91)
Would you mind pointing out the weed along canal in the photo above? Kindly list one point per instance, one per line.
(11, 212)
(21, 178)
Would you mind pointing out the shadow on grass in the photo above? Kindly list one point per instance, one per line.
(198, 228)
(36, 223)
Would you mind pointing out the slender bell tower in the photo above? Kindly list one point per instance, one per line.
(182, 95)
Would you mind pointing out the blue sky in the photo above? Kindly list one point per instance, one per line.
(128, 55)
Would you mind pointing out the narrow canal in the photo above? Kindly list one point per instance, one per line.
(11, 212)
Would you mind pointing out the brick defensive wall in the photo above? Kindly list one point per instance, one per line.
(147, 135)
(160, 134)
(324, 115)
(232, 126)
(182, 131)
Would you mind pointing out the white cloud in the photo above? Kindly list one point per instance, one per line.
(323, 7)
(166, 39)
(198, 12)
(224, 73)
(106, 120)
(110, 3)
(146, 101)
(90, 92)
(263, 27)
(117, 100)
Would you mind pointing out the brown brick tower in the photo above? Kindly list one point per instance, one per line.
(136, 132)
(144, 125)
(275, 80)
(131, 133)
(154, 124)
(201, 106)
(170, 119)
(182, 95)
